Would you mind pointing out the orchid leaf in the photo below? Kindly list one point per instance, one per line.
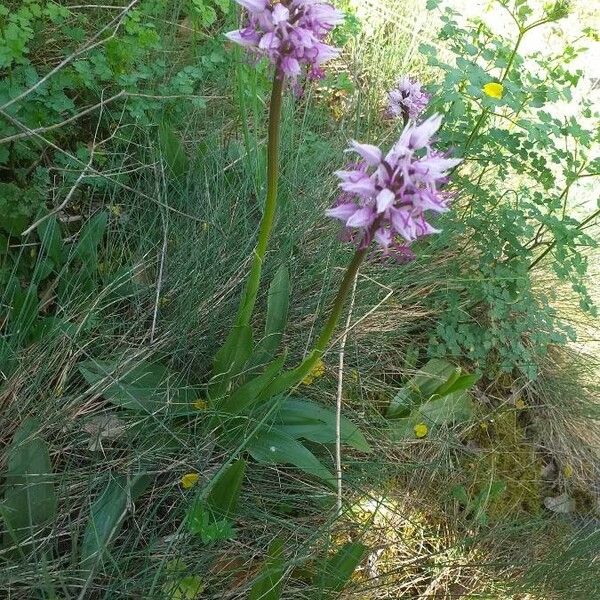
(273, 446)
(268, 585)
(277, 314)
(29, 497)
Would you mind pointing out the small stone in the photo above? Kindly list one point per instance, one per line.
(562, 504)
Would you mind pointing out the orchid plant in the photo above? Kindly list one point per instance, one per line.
(385, 199)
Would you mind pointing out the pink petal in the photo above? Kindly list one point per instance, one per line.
(325, 53)
(280, 14)
(420, 135)
(372, 154)
(385, 199)
(343, 211)
(363, 217)
(238, 37)
(269, 41)
(383, 237)
(404, 224)
(254, 6)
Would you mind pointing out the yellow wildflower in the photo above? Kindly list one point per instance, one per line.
(317, 371)
(189, 480)
(200, 404)
(421, 430)
(520, 404)
(494, 90)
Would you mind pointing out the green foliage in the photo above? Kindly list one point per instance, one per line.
(277, 314)
(73, 273)
(269, 584)
(475, 508)
(303, 419)
(437, 395)
(337, 570)
(145, 387)
(522, 159)
(212, 517)
(106, 517)
(272, 446)
(29, 495)
(433, 375)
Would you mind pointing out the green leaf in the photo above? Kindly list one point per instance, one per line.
(245, 395)
(272, 446)
(223, 496)
(460, 493)
(50, 236)
(211, 518)
(90, 237)
(172, 150)
(146, 387)
(421, 387)
(29, 496)
(452, 408)
(277, 315)
(186, 588)
(338, 569)
(269, 583)
(458, 384)
(309, 420)
(200, 522)
(231, 358)
(107, 514)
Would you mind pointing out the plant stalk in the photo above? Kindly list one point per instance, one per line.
(294, 376)
(250, 293)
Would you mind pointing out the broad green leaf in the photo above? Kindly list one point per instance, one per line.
(212, 517)
(146, 387)
(172, 150)
(29, 496)
(246, 395)
(51, 239)
(231, 358)
(338, 569)
(277, 314)
(187, 588)
(288, 379)
(457, 384)
(223, 496)
(272, 446)
(107, 514)
(309, 420)
(269, 583)
(460, 493)
(421, 387)
(90, 237)
(452, 408)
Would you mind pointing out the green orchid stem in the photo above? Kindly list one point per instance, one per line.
(340, 300)
(266, 224)
(293, 377)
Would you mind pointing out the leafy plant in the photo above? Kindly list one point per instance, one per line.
(475, 508)
(337, 570)
(436, 395)
(212, 517)
(29, 496)
(523, 160)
